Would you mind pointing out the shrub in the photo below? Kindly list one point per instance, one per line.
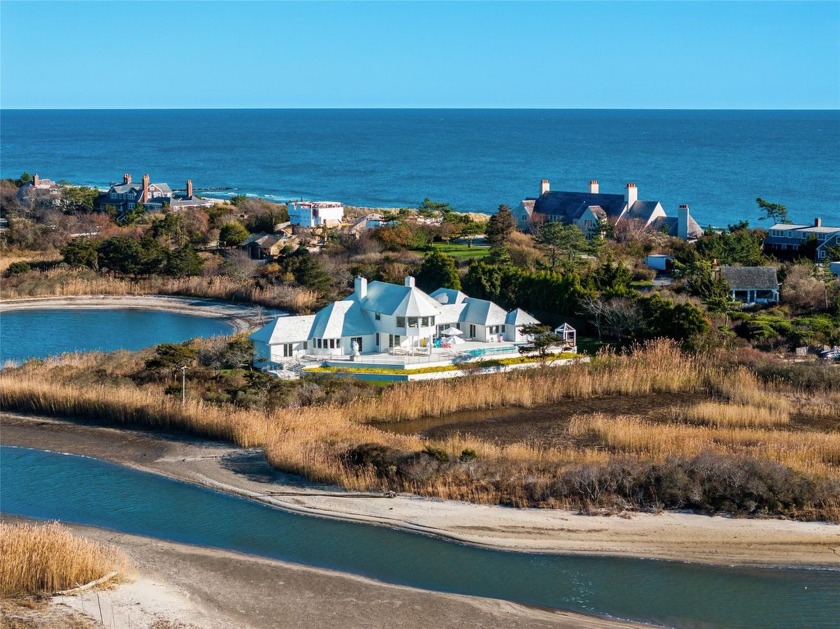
(18, 267)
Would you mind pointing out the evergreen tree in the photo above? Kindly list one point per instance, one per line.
(232, 234)
(500, 226)
(438, 271)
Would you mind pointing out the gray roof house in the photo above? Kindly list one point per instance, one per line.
(127, 195)
(752, 284)
(588, 209)
(379, 318)
(787, 238)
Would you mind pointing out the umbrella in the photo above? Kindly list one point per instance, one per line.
(451, 331)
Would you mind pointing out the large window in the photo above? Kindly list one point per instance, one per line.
(400, 322)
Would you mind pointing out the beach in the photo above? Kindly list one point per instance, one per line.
(187, 587)
(240, 316)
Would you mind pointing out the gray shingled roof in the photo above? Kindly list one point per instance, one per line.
(750, 277)
(571, 205)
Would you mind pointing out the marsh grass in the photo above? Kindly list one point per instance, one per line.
(46, 558)
(744, 420)
(721, 415)
(62, 282)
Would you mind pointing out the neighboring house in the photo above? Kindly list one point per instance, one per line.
(786, 238)
(752, 284)
(315, 213)
(834, 267)
(38, 188)
(589, 210)
(264, 246)
(186, 200)
(379, 317)
(128, 195)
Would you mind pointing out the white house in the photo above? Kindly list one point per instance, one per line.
(379, 318)
(315, 213)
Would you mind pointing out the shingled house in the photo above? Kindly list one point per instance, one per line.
(587, 210)
(752, 284)
(127, 195)
(787, 239)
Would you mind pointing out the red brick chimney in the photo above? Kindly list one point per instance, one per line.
(36, 180)
(189, 189)
(145, 196)
(817, 221)
(126, 178)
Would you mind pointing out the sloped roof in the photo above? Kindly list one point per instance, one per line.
(451, 296)
(750, 277)
(252, 238)
(483, 312)
(399, 301)
(670, 225)
(285, 330)
(641, 210)
(341, 318)
(519, 317)
(571, 205)
(450, 313)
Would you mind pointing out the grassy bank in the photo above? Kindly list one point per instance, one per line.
(43, 559)
(743, 445)
(75, 282)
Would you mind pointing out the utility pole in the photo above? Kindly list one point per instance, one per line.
(183, 384)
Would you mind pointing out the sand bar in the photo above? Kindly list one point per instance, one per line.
(242, 316)
(676, 536)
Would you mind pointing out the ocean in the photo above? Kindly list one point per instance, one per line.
(716, 161)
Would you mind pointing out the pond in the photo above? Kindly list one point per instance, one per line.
(28, 334)
(48, 485)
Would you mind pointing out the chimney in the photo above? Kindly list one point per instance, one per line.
(126, 178)
(409, 281)
(36, 180)
(682, 221)
(544, 186)
(360, 286)
(594, 188)
(631, 194)
(145, 195)
(189, 188)
(817, 221)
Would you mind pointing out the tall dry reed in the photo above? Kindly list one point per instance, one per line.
(64, 283)
(46, 558)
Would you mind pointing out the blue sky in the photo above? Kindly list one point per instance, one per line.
(693, 55)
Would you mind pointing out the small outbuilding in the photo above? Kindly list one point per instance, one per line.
(752, 284)
(569, 335)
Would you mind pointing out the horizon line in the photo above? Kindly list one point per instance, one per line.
(821, 109)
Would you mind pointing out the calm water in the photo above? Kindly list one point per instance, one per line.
(46, 485)
(40, 333)
(717, 161)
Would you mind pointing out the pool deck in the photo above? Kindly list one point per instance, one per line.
(465, 352)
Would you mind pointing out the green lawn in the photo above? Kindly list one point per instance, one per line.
(462, 252)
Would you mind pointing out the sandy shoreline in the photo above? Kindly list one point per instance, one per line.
(184, 587)
(674, 536)
(242, 317)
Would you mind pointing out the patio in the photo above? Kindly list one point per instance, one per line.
(466, 351)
